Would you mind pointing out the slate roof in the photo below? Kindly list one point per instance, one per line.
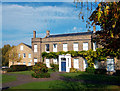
(27, 45)
(70, 34)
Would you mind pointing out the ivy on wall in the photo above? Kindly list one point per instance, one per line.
(100, 54)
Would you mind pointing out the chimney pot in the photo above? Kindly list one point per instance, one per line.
(94, 29)
(47, 33)
(34, 34)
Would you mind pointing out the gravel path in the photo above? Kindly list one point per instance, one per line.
(22, 79)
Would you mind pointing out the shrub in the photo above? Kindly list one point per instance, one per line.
(55, 67)
(40, 71)
(41, 75)
(118, 72)
(90, 69)
(100, 71)
(40, 68)
(14, 68)
(73, 70)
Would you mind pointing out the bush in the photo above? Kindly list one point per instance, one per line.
(118, 72)
(40, 71)
(73, 70)
(100, 71)
(41, 75)
(40, 68)
(55, 67)
(14, 68)
(90, 69)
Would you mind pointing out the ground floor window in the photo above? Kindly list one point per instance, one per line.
(29, 64)
(24, 63)
(55, 61)
(76, 63)
(48, 63)
(35, 61)
(110, 64)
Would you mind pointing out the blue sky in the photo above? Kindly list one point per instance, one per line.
(19, 19)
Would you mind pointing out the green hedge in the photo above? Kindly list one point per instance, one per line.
(118, 72)
(14, 68)
(90, 70)
(41, 75)
(72, 70)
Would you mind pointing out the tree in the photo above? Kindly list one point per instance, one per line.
(3, 56)
(107, 16)
(13, 55)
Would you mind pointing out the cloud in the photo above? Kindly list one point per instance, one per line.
(19, 21)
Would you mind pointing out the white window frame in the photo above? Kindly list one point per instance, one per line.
(24, 63)
(21, 47)
(85, 46)
(76, 65)
(18, 63)
(110, 63)
(48, 61)
(96, 66)
(55, 61)
(65, 47)
(29, 55)
(35, 47)
(94, 46)
(75, 46)
(29, 64)
(54, 49)
(46, 47)
(31, 60)
(35, 60)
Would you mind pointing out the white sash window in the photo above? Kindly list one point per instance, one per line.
(54, 47)
(35, 48)
(75, 46)
(65, 47)
(85, 46)
(76, 63)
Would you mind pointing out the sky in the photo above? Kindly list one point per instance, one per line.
(20, 19)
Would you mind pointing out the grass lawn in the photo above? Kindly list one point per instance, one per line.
(63, 85)
(93, 77)
(23, 72)
(29, 72)
(8, 78)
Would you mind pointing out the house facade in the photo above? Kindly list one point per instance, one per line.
(62, 42)
(25, 52)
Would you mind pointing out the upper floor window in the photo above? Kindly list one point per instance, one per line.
(54, 47)
(24, 55)
(94, 46)
(29, 55)
(75, 46)
(47, 49)
(85, 46)
(21, 47)
(65, 47)
(35, 48)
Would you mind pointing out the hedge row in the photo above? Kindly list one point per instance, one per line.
(15, 68)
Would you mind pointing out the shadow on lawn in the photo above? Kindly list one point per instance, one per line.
(87, 81)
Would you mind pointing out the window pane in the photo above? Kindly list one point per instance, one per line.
(85, 46)
(21, 47)
(65, 47)
(75, 46)
(47, 47)
(35, 48)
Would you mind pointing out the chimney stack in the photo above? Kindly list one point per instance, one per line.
(94, 29)
(34, 34)
(47, 33)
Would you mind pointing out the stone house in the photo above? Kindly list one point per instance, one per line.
(25, 52)
(63, 42)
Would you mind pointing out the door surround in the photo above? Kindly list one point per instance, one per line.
(68, 62)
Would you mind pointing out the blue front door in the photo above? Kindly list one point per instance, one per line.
(63, 66)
